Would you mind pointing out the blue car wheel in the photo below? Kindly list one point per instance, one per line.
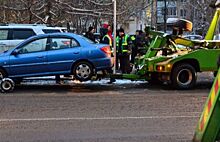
(7, 85)
(83, 71)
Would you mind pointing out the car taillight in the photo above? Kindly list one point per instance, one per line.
(106, 50)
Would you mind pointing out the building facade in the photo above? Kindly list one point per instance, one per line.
(156, 15)
(174, 9)
(197, 11)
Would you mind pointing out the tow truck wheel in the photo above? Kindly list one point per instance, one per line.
(183, 76)
(7, 85)
(83, 71)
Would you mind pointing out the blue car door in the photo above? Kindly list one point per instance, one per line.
(62, 53)
(30, 60)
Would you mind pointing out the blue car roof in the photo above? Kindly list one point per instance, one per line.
(55, 34)
(70, 35)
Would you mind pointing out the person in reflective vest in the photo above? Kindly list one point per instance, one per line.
(123, 44)
(107, 40)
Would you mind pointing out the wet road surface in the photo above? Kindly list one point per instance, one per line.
(101, 112)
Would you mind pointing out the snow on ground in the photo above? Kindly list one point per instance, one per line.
(118, 81)
(51, 81)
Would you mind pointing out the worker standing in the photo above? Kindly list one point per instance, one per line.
(107, 39)
(123, 43)
(134, 47)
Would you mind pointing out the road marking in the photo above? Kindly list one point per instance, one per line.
(98, 118)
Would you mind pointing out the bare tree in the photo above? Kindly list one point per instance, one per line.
(60, 12)
(202, 15)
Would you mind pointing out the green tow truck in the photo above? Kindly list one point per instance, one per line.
(176, 60)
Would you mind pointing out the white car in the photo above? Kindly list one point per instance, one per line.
(12, 34)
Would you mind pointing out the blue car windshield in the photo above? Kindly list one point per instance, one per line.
(88, 40)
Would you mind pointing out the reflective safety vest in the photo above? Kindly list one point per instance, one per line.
(109, 38)
(124, 43)
(132, 38)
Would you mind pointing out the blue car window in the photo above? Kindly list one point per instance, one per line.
(62, 43)
(34, 46)
(74, 43)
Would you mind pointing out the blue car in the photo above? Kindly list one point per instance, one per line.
(55, 54)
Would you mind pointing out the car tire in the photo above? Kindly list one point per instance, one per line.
(83, 71)
(7, 85)
(183, 76)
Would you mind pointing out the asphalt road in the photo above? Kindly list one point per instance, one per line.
(101, 112)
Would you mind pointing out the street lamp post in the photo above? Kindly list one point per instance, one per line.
(114, 44)
(165, 15)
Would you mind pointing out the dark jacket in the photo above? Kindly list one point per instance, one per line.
(90, 36)
(120, 47)
(105, 40)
